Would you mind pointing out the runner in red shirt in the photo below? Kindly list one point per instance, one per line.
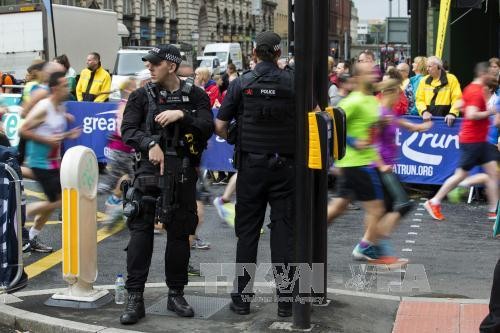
(474, 146)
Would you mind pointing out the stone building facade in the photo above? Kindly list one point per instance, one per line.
(195, 22)
(281, 24)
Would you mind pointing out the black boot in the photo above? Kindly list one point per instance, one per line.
(134, 309)
(284, 309)
(239, 306)
(177, 303)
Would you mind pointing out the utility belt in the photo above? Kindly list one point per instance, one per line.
(134, 200)
(163, 191)
(137, 156)
(272, 161)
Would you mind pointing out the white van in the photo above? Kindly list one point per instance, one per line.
(227, 53)
(212, 63)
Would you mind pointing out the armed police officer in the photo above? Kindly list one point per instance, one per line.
(262, 103)
(168, 123)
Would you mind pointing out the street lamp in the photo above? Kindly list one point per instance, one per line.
(195, 35)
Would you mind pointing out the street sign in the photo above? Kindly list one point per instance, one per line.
(398, 30)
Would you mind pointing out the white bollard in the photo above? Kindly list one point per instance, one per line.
(79, 176)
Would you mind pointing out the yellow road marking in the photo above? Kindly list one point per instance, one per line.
(55, 258)
(100, 217)
(30, 224)
(35, 194)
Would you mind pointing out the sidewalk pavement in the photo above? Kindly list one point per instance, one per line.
(347, 312)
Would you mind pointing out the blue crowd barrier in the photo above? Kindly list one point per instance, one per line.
(424, 158)
(428, 157)
(97, 121)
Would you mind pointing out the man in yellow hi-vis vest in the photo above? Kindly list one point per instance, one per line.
(438, 93)
(95, 82)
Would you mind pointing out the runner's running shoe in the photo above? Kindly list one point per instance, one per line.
(369, 253)
(38, 246)
(200, 244)
(434, 210)
(385, 248)
(226, 211)
(496, 228)
(193, 271)
(492, 215)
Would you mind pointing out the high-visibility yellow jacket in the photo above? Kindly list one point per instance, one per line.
(100, 83)
(438, 96)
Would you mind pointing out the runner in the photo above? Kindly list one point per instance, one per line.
(44, 129)
(474, 147)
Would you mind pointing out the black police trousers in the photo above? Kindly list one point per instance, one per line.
(491, 324)
(177, 252)
(263, 179)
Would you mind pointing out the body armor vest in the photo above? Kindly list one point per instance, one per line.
(183, 139)
(267, 123)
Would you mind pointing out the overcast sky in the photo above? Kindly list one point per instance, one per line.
(379, 9)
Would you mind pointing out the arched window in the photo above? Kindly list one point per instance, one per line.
(108, 4)
(67, 2)
(173, 10)
(127, 7)
(160, 9)
(173, 22)
(144, 8)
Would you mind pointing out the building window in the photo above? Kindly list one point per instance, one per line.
(173, 22)
(127, 7)
(160, 9)
(108, 4)
(144, 8)
(67, 2)
(173, 11)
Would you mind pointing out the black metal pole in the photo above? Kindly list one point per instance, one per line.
(414, 28)
(53, 29)
(320, 57)
(303, 104)
(320, 51)
(422, 28)
(291, 28)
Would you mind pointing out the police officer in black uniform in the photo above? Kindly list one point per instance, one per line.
(262, 103)
(168, 123)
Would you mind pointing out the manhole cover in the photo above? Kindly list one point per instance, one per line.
(204, 307)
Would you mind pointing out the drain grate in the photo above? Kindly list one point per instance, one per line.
(204, 307)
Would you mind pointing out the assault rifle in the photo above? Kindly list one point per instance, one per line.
(173, 175)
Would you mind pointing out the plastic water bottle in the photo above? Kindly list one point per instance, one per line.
(119, 289)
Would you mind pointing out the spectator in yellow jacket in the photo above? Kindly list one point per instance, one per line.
(438, 93)
(95, 82)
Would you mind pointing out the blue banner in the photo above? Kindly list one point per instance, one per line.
(97, 121)
(219, 154)
(428, 157)
(425, 158)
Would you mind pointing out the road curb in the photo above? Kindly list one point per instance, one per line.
(34, 322)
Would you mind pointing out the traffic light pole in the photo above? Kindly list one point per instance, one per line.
(320, 57)
(304, 70)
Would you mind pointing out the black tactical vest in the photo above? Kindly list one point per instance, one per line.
(188, 142)
(267, 123)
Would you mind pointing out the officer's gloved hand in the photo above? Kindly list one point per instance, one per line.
(156, 157)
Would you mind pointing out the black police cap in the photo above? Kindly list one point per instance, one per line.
(269, 39)
(163, 52)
